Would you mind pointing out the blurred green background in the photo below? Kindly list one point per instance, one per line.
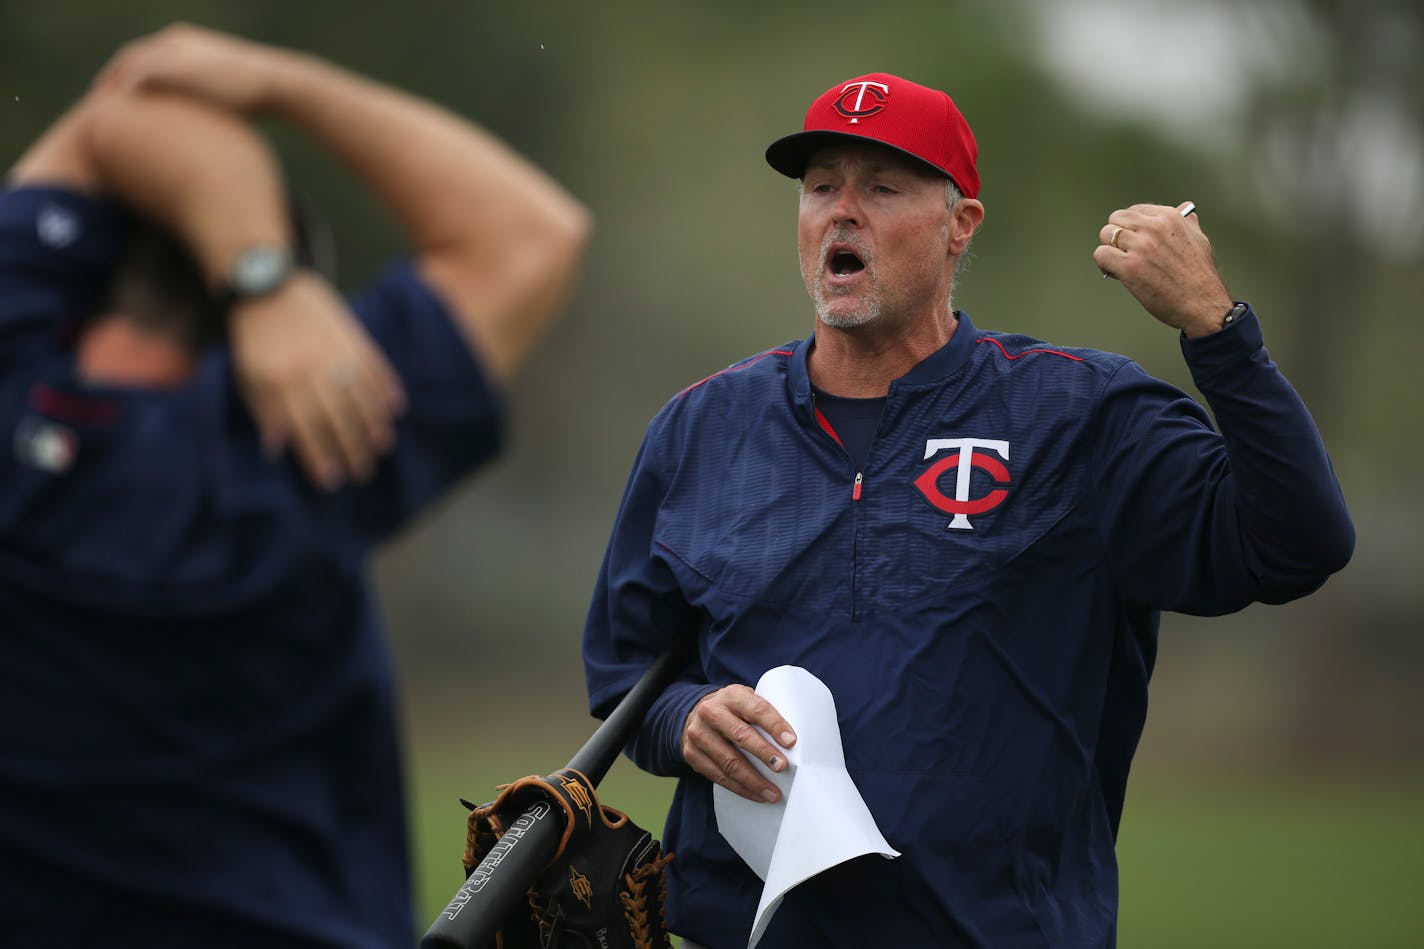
(1278, 798)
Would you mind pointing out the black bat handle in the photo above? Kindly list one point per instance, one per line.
(496, 888)
(608, 740)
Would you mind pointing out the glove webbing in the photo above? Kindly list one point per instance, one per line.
(635, 900)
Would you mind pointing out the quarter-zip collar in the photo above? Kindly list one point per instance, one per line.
(935, 368)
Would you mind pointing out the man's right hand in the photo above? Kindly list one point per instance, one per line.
(720, 725)
(313, 379)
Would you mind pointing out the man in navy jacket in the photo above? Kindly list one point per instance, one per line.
(967, 535)
(198, 744)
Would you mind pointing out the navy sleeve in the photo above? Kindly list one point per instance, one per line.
(657, 748)
(1206, 523)
(637, 611)
(454, 416)
(57, 250)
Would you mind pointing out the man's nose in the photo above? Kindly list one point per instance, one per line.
(847, 208)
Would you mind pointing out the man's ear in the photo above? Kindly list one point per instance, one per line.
(964, 221)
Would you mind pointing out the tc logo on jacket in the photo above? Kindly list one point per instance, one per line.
(964, 461)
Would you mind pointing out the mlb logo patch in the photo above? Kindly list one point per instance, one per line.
(48, 446)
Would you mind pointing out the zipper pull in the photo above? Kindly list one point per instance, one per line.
(855, 490)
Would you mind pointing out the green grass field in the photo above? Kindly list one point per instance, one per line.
(1273, 864)
(1215, 863)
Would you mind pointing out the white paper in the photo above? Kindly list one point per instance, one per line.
(821, 819)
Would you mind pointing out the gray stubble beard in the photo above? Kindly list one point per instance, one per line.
(868, 312)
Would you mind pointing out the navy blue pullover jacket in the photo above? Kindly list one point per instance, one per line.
(198, 735)
(982, 600)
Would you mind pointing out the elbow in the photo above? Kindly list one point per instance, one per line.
(506, 292)
(544, 260)
(563, 239)
(575, 223)
(1329, 551)
(1333, 541)
(1339, 546)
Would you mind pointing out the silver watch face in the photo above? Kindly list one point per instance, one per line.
(259, 270)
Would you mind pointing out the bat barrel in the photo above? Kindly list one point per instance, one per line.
(497, 887)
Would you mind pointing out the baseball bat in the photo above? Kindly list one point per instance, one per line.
(496, 888)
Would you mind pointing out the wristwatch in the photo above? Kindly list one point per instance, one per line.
(256, 272)
(1233, 314)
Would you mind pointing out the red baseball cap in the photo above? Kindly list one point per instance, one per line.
(916, 120)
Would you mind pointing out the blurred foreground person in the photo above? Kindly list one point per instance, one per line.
(202, 444)
(967, 535)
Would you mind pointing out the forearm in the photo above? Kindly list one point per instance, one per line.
(1293, 517)
(448, 181)
(499, 237)
(195, 169)
(59, 157)
(1199, 522)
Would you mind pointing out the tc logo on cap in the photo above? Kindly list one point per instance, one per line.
(878, 91)
(925, 125)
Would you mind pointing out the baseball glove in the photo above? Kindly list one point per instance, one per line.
(605, 886)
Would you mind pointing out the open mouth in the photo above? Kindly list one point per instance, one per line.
(844, 263)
